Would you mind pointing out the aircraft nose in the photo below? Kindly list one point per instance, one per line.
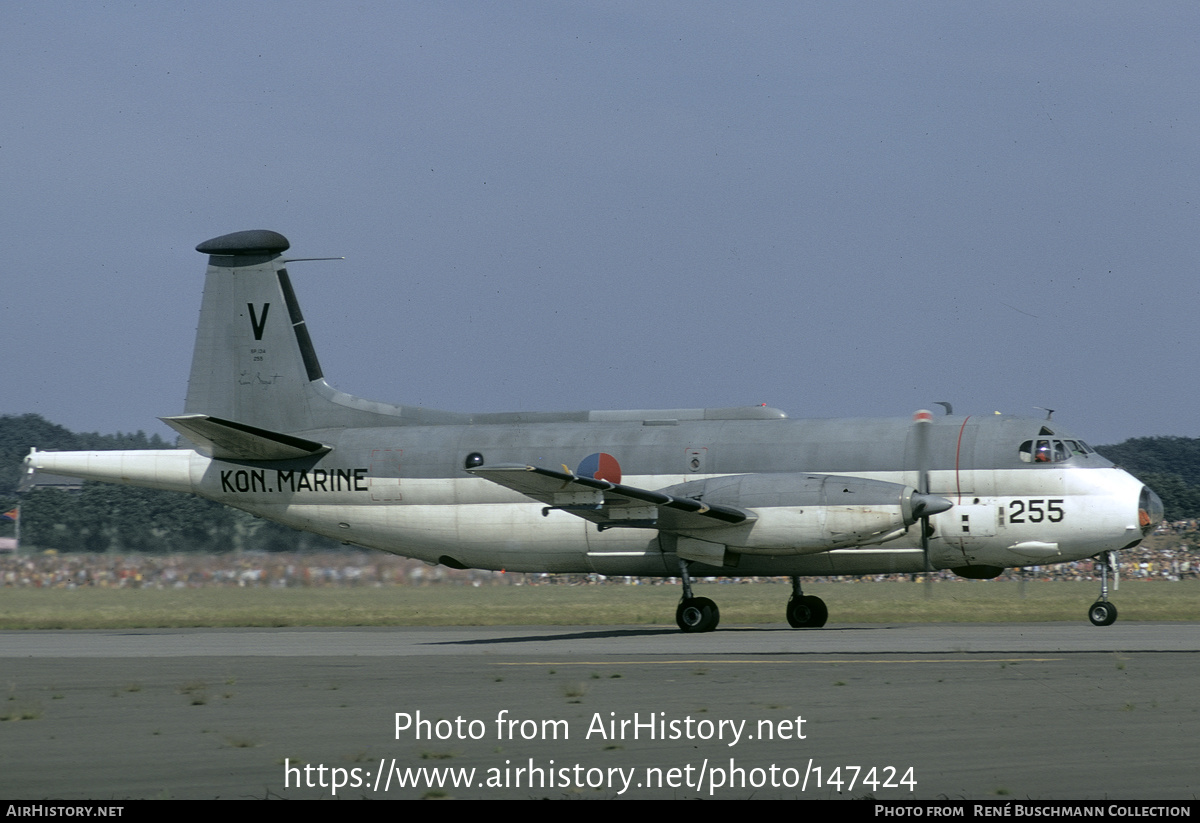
(1150, 510)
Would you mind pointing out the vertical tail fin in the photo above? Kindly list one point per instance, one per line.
(253, 358)
(254, 363)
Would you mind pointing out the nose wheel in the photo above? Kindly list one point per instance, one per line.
(1103, 613)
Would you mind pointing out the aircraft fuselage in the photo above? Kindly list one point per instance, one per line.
(405, 490)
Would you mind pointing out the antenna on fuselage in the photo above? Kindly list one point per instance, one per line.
(949, 409)
(1049, 412)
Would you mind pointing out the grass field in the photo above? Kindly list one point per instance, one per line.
(558, 605)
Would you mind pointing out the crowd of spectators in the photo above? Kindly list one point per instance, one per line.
(1169, 556)
(181, 571)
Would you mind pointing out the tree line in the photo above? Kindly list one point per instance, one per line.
(1169, 465)
(103, 517)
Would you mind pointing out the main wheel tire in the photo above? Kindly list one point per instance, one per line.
(807, 612)
(1102, 613)
(698, 614)
(799, 615)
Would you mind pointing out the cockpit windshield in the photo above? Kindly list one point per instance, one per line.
(1050, 450)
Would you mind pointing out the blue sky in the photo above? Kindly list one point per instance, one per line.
(842, 209)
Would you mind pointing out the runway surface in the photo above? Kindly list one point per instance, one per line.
(996, 711)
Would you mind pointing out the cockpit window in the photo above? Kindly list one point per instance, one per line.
(1077, 448)
(1041, 454)
(1052, 451)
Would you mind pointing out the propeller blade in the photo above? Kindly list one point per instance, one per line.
(922, 421)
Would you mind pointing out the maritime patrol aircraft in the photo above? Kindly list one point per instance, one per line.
(671, 493)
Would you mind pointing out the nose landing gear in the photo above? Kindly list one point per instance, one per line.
(1103, 613)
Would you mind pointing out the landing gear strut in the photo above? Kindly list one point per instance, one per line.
(1103, 613)
(805, 611)
(694, 614)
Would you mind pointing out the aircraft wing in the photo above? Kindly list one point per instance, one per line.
(610, 505)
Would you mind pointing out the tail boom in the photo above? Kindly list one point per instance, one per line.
(176, 470)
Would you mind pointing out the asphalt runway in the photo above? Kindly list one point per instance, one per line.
(998, 711)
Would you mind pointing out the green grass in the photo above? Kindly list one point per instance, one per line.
(849, 602)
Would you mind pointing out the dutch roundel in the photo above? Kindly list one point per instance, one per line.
(601, 466)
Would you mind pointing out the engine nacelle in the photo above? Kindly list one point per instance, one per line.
(808, 513)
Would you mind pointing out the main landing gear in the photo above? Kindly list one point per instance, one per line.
(1103, 613)
(695, 614)
(805, 612)
(699, 614)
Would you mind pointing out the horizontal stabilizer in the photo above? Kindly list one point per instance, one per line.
(609, 504)
(227, 440)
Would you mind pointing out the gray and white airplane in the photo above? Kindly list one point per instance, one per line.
(669, 493)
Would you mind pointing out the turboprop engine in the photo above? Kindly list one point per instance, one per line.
(808, 513)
